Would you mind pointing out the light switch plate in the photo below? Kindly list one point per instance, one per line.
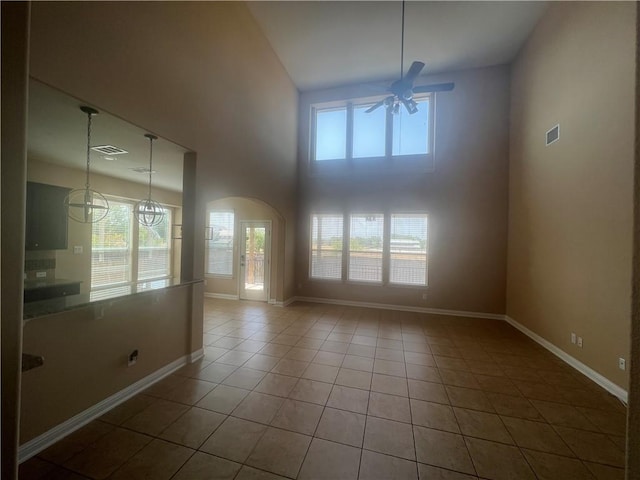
(77, 249)
(41, 274)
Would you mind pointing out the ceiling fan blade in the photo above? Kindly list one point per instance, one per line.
(436, 87)
(414, 71)
(374, 107)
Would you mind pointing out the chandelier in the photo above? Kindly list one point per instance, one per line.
(85, 205)
(148, 211)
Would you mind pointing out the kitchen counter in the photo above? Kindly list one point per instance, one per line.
(70, 302)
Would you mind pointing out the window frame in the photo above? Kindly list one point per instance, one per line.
(388, 161)
(349, 251)
(342, 251)
(386, 249)
(234, 244)
(426, 253)
(134, 251)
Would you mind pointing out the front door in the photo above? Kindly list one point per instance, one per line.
(255, 247)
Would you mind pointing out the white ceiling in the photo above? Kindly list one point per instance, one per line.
(57, 133)
(329, 43)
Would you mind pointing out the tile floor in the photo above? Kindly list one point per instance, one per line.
(316, 391)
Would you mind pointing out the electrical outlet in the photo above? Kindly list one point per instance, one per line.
(622, 364)
(133, 358)
(573, 338)
(580, 342)
(424, 296)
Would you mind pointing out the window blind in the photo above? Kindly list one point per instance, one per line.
(365, 247)
(220, 246)
(408, 249)
(154, 249)
(326, 246)
(111, 246)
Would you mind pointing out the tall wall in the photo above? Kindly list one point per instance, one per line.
(570, 203)
(200, 74)
(465, 197)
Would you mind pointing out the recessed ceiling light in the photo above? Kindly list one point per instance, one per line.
(109, 150)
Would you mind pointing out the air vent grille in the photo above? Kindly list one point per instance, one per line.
(109, 150)
(142, 170)
(553, 135)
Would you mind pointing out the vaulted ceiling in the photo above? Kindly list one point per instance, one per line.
(329, 43)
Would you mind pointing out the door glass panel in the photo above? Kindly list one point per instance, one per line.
(254, 258)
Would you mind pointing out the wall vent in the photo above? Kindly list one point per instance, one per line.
(142, 170)
(553, 135)
(109, 150)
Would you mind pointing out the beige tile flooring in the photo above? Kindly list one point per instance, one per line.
(316, 391)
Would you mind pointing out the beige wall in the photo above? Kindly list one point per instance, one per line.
(570, 215)
(78, 267)
(465, 197)
(213, 85)
(246, 209)
(86, 352)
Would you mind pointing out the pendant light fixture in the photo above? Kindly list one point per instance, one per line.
(148, 211)
(85, 205)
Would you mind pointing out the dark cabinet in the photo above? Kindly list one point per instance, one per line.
(47, 221)
(46, 291)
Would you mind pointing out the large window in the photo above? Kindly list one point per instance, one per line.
(365, 247)
(111, 245)
(220, 244)
(382, 248)
(331, 138)
(326, 246)
(347, 132)
(118, 243)
(408, 249)
(154, 249)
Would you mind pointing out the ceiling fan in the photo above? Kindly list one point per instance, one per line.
(403, 90)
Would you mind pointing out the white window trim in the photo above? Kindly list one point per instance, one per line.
(135, 239)
(342, 259)
(236, 231)
(386, 251)
(424, 161)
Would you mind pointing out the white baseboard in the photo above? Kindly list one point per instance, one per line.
(48, 438)
(405, 308)
(276, 303)
(605, 383)
(289, 301)
(197, 355)
(222, 296)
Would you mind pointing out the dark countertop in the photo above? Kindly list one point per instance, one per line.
(72, 302)
(48, 282)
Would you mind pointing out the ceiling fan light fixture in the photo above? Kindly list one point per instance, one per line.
(85, 205)
(402, 90)
(147, 211)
